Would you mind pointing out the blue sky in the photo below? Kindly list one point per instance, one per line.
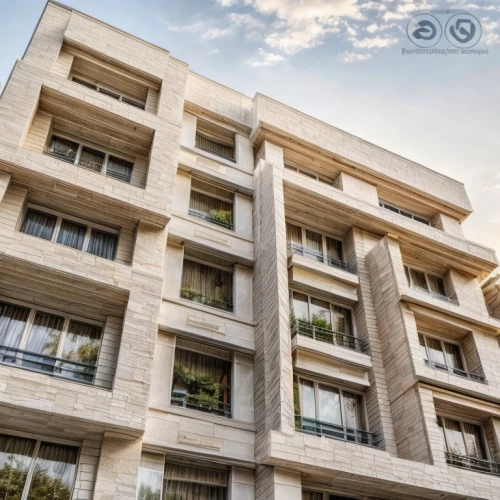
(338, 60)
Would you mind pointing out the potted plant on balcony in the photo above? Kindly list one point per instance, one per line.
(190, 294)
(323, 328)
(222, 216)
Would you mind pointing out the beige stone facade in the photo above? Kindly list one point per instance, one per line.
(204, 291)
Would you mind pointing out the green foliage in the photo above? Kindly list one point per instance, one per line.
(87, 353)
(321, 322)
(222, 216)
(147, 493)
(190, 294)
(12, 479)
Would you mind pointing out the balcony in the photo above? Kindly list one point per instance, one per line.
(200, 402)
(455, 371)
(214, 217)
(320, 257)
(435, 295)
(193, 296)
(329, 336)
(332, 431)
(473, 464)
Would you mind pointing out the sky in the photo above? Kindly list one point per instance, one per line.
(340, 61)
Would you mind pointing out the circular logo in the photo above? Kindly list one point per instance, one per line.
(463, 30)
(424, 30)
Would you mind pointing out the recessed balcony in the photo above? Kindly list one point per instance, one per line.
(473, 464)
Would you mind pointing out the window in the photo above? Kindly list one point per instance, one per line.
(311, 175)
(149, 484)
(331, 411)
(110, 93)
(202, 378)
(203, 482)
(430, 283)
(40, 340)
(207, 280)
(405, 213)
(92, 159)
(71, 232)
(315, 246)
(33, 469)
(211, 203)
(215, 139)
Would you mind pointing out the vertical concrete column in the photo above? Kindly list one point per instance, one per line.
(242, 486)
(118, 467)
(277, 484)
(273, 361)
(468, 291)
(4, 184)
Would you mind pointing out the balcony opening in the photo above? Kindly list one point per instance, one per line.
(215, 139)
(325, 410)
(311, 174)
(207, 280)
(405, 213)
(202, 378)
(429, 283)
(211, 203)
(320, 320)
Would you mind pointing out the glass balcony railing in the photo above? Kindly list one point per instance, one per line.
(199, 402)
(320, 257)
(475, 377)
(329, 336)
(472, 463)
(333, 431)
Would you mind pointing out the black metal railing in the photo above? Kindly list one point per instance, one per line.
(210, 218)
(182, 398)
(67, 157)
(331, 337)
(436, 295)
(475, 377)
(320, 257)
(472, 463)
(333, 431)
(50, 365)
(206, 301)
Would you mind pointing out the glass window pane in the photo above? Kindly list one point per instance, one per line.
(314, 245)
(211, 209)
(63, 149)
(149, 485)
(119, 169)
(321, 314)
(213, 146)
(474, 441)
(453, 356)
(72, 234)
(329, 405)
(354, 414)
(293, 234)
(91, 159)
(334, 249)
(85, 83)
(109, 93)
(418, 279)
(435, 350)
(436, 284)
(82, 343)
(454, 437)
(441, 430)
(307, 399)
(300, 306)
(342, 320)
(54, 472)
(12, 324)
(312, 495)
(423, 349)
(39, 224)
(15, 459)
(102, 244)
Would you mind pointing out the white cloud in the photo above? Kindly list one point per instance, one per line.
(246, 20)
(374, 43)
(351, 57)
(373, 6)
(226, 3)
(186, 28)
(264, 58)
(214, 33)
(491, 32)
(374, 27)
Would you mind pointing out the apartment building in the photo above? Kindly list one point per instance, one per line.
(208, 296)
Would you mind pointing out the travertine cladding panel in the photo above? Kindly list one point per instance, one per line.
(277, 484)
(368, 156)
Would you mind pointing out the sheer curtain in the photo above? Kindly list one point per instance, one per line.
(39, 224)
(205, 204)
(82, 343)
(214, 145)
(423, 348)
(119, 169)
(102, 244)
(418, 279)
(474, 441)
(307, 399)
(293, 234)
(435, 351)
(15, 459)
(342, 320)
(91, 159)
(54, 472)
(300, 306)
(12, 324)
(354, 415)
(329, 405)
(454, 437)
(72, 234)
(453, 356)
(334, 249)
(314, 243)
(64, 148)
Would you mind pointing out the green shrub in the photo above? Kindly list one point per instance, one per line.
(223, 216)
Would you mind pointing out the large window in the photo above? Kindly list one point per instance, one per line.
(87, 157)
(70, 231)
(32, 469)
(207, 279)
(315, 246)
(211, 203)
(432, 284)
(40, 340)
(202, 378)
(308, 173)
(404, 213)
(215, 139)
(192, 482)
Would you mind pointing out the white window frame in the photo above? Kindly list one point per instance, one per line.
(427, 274)
(425, 335)
(107, 153)
(50, 440)
(64, 332)
(341, 389)
(309, 173)
(386, 204)
(60, 217)
(109, 89)
(335, 304)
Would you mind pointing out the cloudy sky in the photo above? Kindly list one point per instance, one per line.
(338, 60)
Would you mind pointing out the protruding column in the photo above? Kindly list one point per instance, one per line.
(277, 484)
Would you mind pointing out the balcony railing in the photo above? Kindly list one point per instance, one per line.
(210, 218)
(87, 164)
(50, 365)
(332, 431)
(182, 398)
(436, 295)
(455, 371)
(206, 301)
(329, 336)
(472, 463)
(320, 257)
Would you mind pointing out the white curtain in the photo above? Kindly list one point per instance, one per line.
(203, 203)
(293, 234)
(119, 169)
(453, 356)
(214, 146)
(39, 224)
(329, 405)
(314, 243)
(102, 244)
(334, 249)
(307, 399)
(354, 415)
(12, 324)
(474, 441)
(342, 320)
(72, 234)
(454, 437)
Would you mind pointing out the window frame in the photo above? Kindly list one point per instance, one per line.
(98, 86)
(425, 335)
(309, 173)
(212, 136)
(62, 216)
(426, 274)
(39, 438)
(83, 144)
(398, 210)
(341, 388)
